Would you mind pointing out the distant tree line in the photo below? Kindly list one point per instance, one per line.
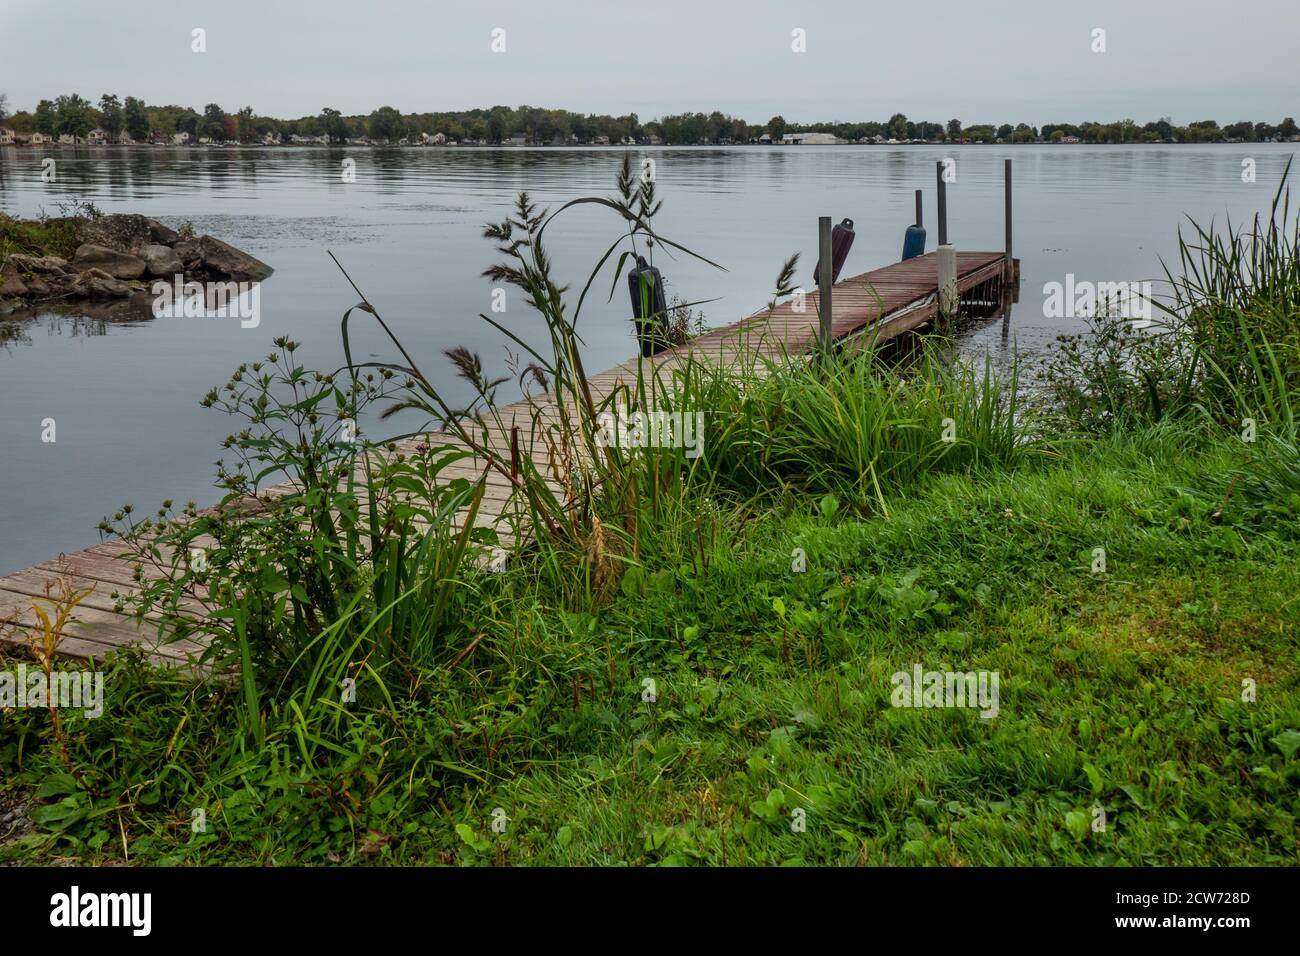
(72, 114)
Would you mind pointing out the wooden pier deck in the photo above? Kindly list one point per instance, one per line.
(887, 302)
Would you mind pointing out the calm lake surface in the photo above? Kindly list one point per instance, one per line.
(125, 394)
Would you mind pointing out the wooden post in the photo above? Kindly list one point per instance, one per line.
(824, 279)
(949, 301)
(943, 204)
(1006, 189)
(919, 222)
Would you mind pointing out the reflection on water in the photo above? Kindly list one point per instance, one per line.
(75, 319)
(125, 388)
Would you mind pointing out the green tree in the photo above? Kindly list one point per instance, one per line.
(386, 123)
(111, 119)
(776, 127)
(72, 115)
(897, 126)
(954, 129)
(498, 123)
(214, 122)
(332, 125)
(136, 118)
(246, 125)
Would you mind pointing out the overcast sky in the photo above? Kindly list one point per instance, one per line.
(977, 60)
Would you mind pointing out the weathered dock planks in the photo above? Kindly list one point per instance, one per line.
(884, 303)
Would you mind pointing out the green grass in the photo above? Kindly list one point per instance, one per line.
(697, 653)
(55, 237)
(1121, 689)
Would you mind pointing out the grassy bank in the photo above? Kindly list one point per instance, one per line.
(37, 237)
(1120, 689)
(696, 660)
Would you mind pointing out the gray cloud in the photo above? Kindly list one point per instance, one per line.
(993, 60)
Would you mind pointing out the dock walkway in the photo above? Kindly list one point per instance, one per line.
(885, 302)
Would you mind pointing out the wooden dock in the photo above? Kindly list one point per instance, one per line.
(883, 304)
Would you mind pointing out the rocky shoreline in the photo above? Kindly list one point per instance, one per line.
(113, 257)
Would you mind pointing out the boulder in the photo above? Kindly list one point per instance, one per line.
(39, 265)
(11, 284)
(62, 284)
(119, 265)
(120, 232)
(164, 235)
(161, 260)
(189, 251)
(94, 282)
(224, 258)
(114, 287)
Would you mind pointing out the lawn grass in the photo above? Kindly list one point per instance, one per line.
(1121, 690)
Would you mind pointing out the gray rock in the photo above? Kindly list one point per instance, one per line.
(224, 258)
(10, 284)
(123, 232)
(39, 265)
(165, 235)
(119, 265)
(161, 260)
(113, 287)
(97, 282)
(189, 251)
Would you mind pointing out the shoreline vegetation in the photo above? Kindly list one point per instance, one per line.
(697, 659)
(74, 120)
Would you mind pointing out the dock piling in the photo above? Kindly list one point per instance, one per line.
(1006, 189)
(947, 284)
(943, 204)
(826, 280)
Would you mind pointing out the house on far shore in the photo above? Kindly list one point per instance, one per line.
(811, 139)
(40, 139)
(765, 139)
(270, 139)
(519, 139)
(70, 139)
(124, 139)
(6, 136)
(180, 139)
(600, 141)
(97, 137)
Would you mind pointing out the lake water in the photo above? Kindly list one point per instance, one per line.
(124, 394)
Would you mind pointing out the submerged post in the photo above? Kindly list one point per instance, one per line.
(825, 279)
